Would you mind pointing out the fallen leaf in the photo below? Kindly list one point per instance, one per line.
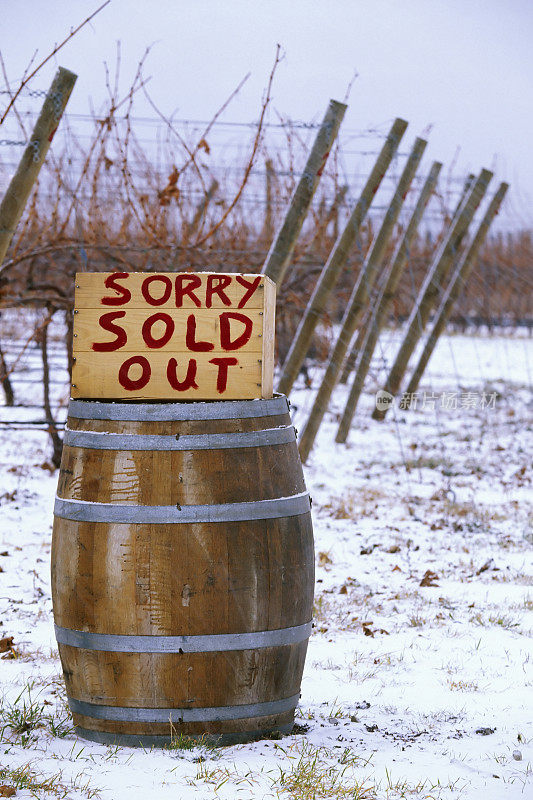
(487, 565)
(323, 559)
(429, 578)
(7, 791)
(396, 568)
(9, 496)
(365, 551)
(6, 644)
(343, 589)
(394, 548)
(11, 655)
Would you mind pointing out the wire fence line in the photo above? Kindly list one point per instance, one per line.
(111, 198)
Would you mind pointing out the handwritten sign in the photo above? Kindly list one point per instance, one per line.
(167, 335)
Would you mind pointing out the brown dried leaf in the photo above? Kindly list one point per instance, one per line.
(11, 655)
(429, 578)
(7, 791)
(202, 144)
(487, 565)
(173, 178)
(6, 644)
(367, 630)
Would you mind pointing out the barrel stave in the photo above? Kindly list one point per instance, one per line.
(179, 477)
(159, 579)
(187, 680)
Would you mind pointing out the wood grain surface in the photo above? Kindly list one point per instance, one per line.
(182, 579)
(90, 380)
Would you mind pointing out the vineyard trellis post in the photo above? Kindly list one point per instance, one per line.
(379, 313)
(282, 247)
(30, 164)
(459, 279)
(57, 442)
(7, 386)
(362, 334)
(358, 300)
(269, 180)
(337, 259)
(201, 209)
(429, 292)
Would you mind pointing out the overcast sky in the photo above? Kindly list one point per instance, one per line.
(464, 67)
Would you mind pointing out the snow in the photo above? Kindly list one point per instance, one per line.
(399, 676)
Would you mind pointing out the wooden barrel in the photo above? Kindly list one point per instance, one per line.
(182, 570)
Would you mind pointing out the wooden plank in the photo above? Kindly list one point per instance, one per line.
(171, 327)
(90, 380)
(91, 288)
(269, 335)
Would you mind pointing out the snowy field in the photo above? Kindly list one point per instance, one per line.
(419, 674)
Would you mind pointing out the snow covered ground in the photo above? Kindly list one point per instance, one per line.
(419, 674)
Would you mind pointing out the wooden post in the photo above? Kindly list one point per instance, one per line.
(429, 291)
(337, 259)
(333, 213)
(21, 184)
(358, 300)
(269, 179)
(202, 207)
(279, 255)
(459, 279)
(5, 380)
(361, 338)
(362, 331)
(379, 314)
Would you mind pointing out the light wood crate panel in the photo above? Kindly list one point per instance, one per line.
(169, 336)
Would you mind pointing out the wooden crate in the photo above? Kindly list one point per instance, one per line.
(173, 336)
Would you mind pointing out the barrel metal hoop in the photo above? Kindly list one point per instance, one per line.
(148, 740)
(209, 441)
(163, 412)
(212, 714)
(84, 511)
(220, 642)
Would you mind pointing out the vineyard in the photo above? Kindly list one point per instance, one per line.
(153, 194)
(418, 676)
